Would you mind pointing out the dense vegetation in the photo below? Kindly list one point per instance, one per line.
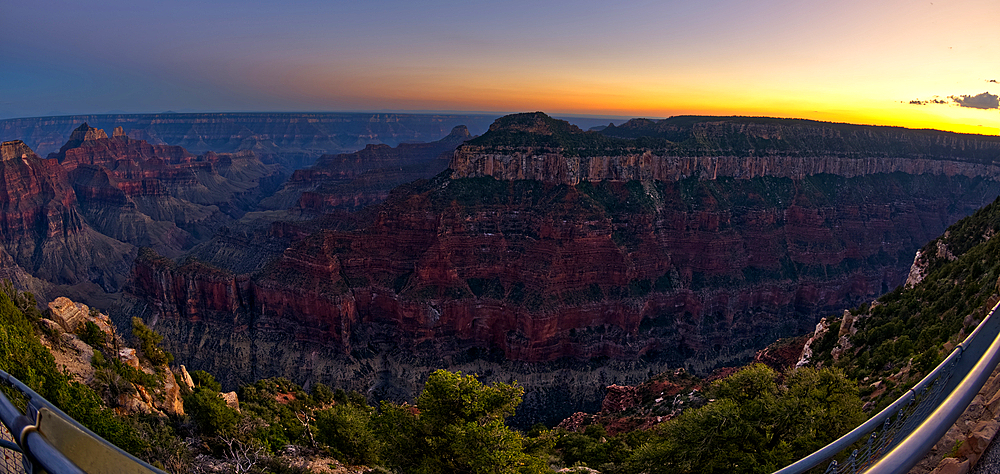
(759, 421)
(23, 356)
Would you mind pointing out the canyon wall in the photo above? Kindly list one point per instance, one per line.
(572, 271)
(596, 282)
(160, 196)
(553, 167)
(535, 146)
(42, 231)
(70, 224)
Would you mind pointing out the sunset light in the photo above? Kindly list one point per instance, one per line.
(892, 63)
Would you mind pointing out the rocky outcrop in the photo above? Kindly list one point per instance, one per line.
(70, 316)
(642, 406)
(77, 357)
(91, 146)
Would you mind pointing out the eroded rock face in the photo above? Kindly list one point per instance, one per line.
(70, 315)
(75, 219)
(509, 277)
(76, 358)
(471, 161)
(542, 272)
(42, 230)
(537, 147)
(513, 280)
(159, 196)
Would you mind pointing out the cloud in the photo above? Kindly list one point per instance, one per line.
(929, 101)
(979, 101)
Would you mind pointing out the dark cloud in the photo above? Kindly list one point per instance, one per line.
(930, 101)
(979, 101)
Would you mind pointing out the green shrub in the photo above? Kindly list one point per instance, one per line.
(204, 379)
(457, 427)
(148, 341)
(210, 412)
(92, 335)
(754, 424)
(24, 357)
(345, 429)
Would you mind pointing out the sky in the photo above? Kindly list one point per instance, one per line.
(918, 64)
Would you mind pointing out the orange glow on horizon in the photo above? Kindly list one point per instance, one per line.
(631, 100)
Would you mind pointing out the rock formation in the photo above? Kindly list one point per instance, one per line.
(613, 269)
(42, 230)
(537, 147)
(351, 181)
(76, 357)
(70, 224)
(159, 195)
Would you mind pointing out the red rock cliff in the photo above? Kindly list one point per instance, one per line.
(158, 195)
(42, 230)
(535, 146)
(691, 271)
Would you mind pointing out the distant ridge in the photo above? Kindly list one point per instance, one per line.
(290, 138)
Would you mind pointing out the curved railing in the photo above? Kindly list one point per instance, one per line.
(895, 439)
(48, 439)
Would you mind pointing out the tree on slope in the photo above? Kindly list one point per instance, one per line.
(754, 424)
(457, 427)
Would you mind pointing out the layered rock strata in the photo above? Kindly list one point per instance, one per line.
(42, 230)
(537, 147)
(513, 277)
(159, 195)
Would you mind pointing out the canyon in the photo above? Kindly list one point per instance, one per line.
(537, 252)
(594, 267)
(73, 221)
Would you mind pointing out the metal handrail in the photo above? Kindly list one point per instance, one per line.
(909, 452)
(39, 452)
(959, 395)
